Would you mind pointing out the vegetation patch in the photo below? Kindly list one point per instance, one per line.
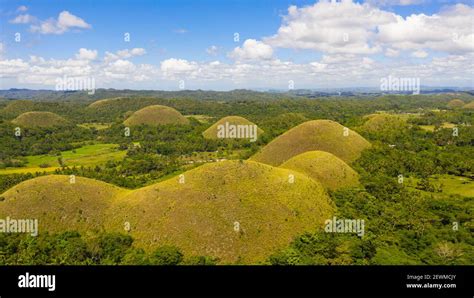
(323, 135)
(156, 115)
(325, 167)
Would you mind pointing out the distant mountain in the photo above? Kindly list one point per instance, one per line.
(237, 94)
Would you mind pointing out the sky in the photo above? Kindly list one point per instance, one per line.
(235, 44)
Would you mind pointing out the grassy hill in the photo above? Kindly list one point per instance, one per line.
(17, 107)
(211, 132)
(103, 102)
(60, 205)
(469, 106)
(200, 216)
(383, 121)
(156, 115)
(455, 104)
(39, 119)
(325, 167)
(324, 135)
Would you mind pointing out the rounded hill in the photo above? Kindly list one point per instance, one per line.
(323, 135)
(455, 104)
(39, 119)
(381, 122)
(212, 132)
(58, 204)
(236, 211)
(469, 106)
(103, 102)
(17, 107)
(156, 115)
(331, 171)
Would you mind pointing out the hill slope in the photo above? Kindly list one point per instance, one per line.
(200, 215)
(325, 167)
(469, 106)
(39, 119)
(60, 205)
(156, 115)
(455, 103)
(380, 122)
(324, 135)
(211, 132)
(234, 211)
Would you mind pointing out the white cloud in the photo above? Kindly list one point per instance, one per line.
(212, 50)
(22, 8)
(124, 54)
(23, 19)
(339, 27)
(392, 53)
(85, 54)
(449, 31)
(64, 23)
(252, 50)
(172, 66)
(419, 54)
(180, 31)
(347, 27)
(395, 2)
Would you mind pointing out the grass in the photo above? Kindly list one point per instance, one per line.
(60, 205)
(156, 115)
(97, 126)
(211, 132)
(451, 185)
(432, 127)
(323, 135)
(200, 118)
(455, 103)
(384, 121)
(325, 167)
(39, 119)
(199, 216)
(456, 185)
(88, 155)
(469, 106)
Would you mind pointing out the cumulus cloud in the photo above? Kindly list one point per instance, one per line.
(419, 54)
(392, 53)
(448, 31)
(124, 54)
(331, 27)
(65, 22)
(85, 54)
(395, 2)
(348, 27)
(212, 50)
(252, 50)
(22, 8)
(171, 67)
(358, 44)
(23, 19)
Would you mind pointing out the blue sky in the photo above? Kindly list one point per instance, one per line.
(182, 32)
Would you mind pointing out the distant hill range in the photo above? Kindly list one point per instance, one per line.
(238, 94)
